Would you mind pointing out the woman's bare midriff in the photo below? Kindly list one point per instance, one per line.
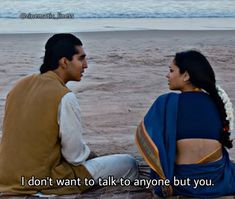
(190, 151)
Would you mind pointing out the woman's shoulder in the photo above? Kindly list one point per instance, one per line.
(184, 95)
(167, 95)
(192, 95)
(162, 99)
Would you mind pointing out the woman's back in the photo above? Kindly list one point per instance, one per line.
(198, 127)
(184, 135)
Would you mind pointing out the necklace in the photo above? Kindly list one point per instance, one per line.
(197, 89)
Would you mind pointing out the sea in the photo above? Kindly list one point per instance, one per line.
(27, 16)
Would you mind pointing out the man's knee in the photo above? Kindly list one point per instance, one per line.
(131, 161)
(131, 166)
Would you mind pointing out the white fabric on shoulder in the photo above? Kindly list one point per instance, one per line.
(74, 149)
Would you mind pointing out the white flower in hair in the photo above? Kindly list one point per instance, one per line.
(227, 105)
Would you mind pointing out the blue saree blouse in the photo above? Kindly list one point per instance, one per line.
(198, 117)
(156, 140)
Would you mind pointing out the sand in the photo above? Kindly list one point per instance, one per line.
(113, 24)
(125, 75)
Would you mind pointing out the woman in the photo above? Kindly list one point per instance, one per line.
(183, 136)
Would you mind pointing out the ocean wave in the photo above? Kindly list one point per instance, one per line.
(119, 16)
(86, 9)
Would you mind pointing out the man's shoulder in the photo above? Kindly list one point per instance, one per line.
(26, 78)
(37, 82)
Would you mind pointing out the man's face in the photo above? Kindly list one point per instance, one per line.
(77, 65)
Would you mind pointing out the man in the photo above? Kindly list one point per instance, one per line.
(42, 131)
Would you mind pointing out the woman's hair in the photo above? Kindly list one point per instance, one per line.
(202, 76)
(58, 46)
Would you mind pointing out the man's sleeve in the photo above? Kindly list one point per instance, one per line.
(74, 149)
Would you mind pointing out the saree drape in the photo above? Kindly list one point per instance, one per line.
(156, 140)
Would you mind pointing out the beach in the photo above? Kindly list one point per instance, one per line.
(126, 73)
(9, 26)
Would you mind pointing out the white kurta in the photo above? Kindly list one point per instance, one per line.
(76, 152)
(74, 149)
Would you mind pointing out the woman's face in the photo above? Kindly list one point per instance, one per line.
(176, 80)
